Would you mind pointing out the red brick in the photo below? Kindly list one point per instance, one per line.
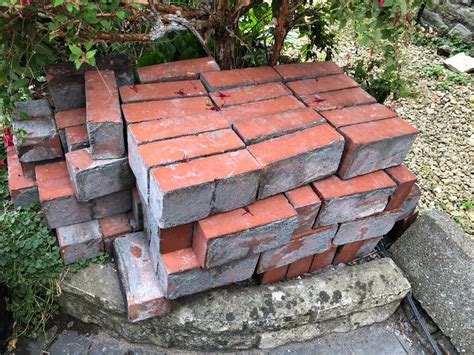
(181, 70)
(104, 119)
(263, 225)
(299, 267)
(218, 183)
(80, 241)
(357, 114)
(305, 201)
(405, 180)
(367, 247)
(162, 91)
(257, 129)
(322, 260)
(53, 181)
(375, 145)
(70, 118)
(347, 252)
(251, 110)
(346, 200)
(143, 296)
(175, 108)
(176, 238)
(273, 275)
(76, 137)
(180, 274)
(302, 244)
(23, 190)
(112, 228)
(323, 84)
(226, 79)
(172, 151)
(411, 201)
(296, 159)
(248, 94)
(290, 72)
(333, 100)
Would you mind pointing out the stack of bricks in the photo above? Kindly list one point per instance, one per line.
(268, 172)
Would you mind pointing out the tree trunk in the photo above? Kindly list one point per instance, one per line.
(280, 31)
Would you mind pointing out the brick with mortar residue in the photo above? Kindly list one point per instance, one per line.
(80, 241)
(302, 244)
(375, 145)
(136, 112)
(227, 79)
(180, 70)
(299, 267)
(23, 190)
(322, 260)
(263, 225)
(162, 91)
(307, 203)
(298, 158)
(273, 275)
(137, 209)
(209, 185)
(104, 119)
(357, 114)
(411, 201)
(257, 129)
(405, 180)
(347, 252)
(248, 94)
(112, 204)
(76, 138)
(290, 72)
(333, 100)
(367, 247)
(346, 200)
(251, 110)
(171, 151)
(323, 84)
(180, 274)
(112, 228)
(144, 298)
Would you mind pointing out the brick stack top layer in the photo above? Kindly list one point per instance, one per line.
(202, 141)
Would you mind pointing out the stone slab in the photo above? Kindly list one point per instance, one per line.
(437, 257)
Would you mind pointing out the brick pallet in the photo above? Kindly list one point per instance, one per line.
(270, 172)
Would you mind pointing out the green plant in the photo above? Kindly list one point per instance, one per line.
(445, 78)
(431, 40)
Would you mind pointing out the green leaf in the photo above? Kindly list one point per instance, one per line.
(121, 14)
(75, 50)
(57, 2)
(21, 83)
(403, 6)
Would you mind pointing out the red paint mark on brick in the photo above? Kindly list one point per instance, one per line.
(136, 251)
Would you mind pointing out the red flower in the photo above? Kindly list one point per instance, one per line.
(7, 138)
(318, 99)
(372, 51)
(2, 164)
(395, 22)
(222, 95)
(180, 92)
(407, 18)
(381, 2)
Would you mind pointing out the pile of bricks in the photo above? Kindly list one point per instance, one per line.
(268, 172)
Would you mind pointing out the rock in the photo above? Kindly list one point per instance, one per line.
(437, 257)
(245, 317)
(460, 63)
(462, 32)
(445, 50)
(436, 21)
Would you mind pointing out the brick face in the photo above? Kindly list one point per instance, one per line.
(23, 190)
(247, 94)
(299, 267)
(76, 137)
(264, 225)
(80, 241)
(162, 91)
(307, 204)
(290, 72)
(112, 228)
(347, 252)
(226, 79)
(357, 114)
(70, 118)
(273, 275)
(318, 85)
(338, 99)
(322, 260)
(405, 180)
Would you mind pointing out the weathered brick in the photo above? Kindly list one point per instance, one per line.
(113, 204)
(80, 241)
(405, 180)
(333, 100)
(305, 201)
(218, 183)
(23, 190)
(180, 70)
(322, 260)
(136, 112)
(357, 114)
(41, 141)
(162, 91)
(367, 247)
(76, 138)
(227, 79)
(299, 267)
(290, 72)
(318, 85)
(401, 226)
(251, 110)
(69, 118)
(346, 200)
(347, 252)
(59, 204)
(248, 94)
(67, 92)
(180, 274)
(273, 275)
(144, 297)
(137, 209)
(92, 179)
(296, 159)
(366, 228)
(112, 228)
(171, 151)
(375, 145)
(411, 201)
(263, 225)
(302, 244)
(104, 119)
(260, 128)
